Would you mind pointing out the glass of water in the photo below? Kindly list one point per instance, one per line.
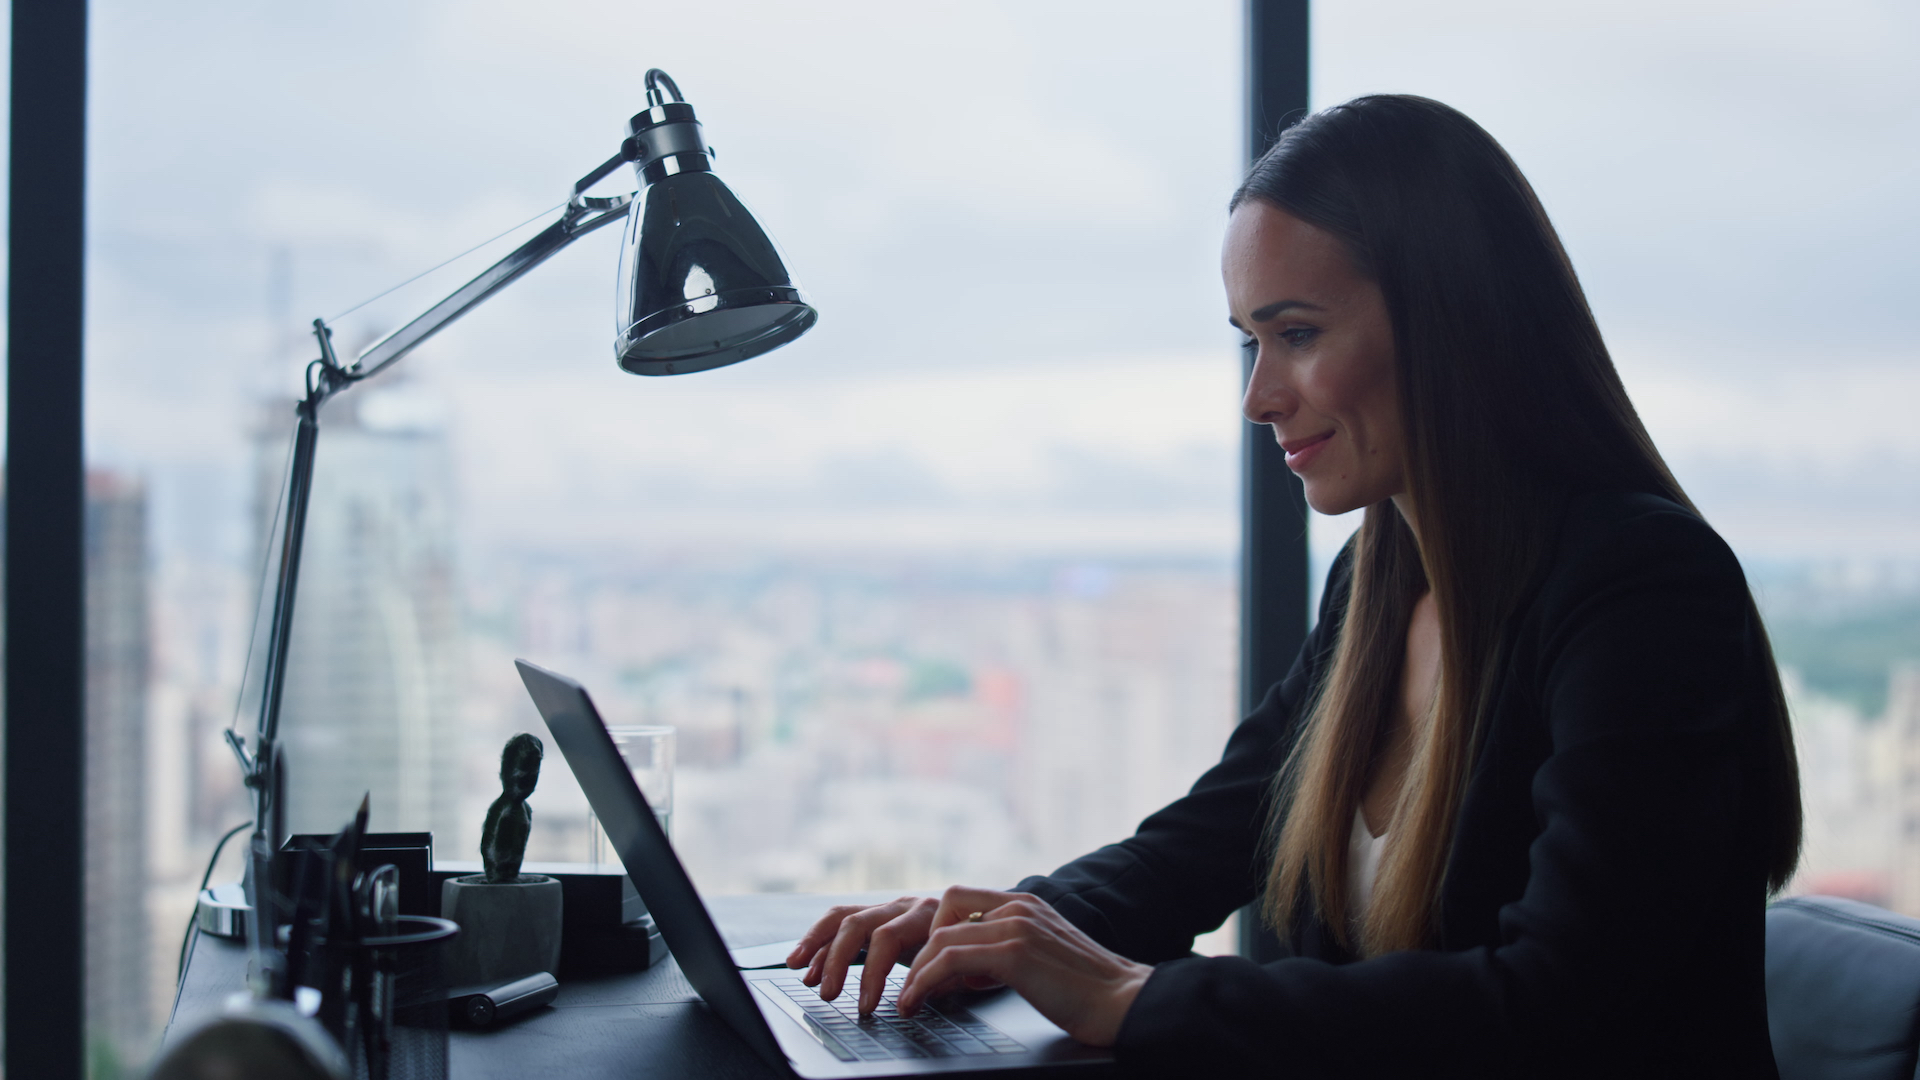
(648, 751)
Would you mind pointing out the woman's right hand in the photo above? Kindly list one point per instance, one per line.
(889, 932)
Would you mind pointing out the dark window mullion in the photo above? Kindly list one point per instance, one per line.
(1273, 530)
(45, 646)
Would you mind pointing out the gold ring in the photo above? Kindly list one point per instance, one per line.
(976, 916)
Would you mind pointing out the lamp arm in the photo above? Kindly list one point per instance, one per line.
(583, 215)
(328, 376)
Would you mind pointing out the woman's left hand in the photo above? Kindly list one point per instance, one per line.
(1021, 941)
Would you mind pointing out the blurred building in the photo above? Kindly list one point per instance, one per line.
(119, 1009)
(1131, 684)
(1860, 791)
(370, 696)
(1903, 722)
(896, 723)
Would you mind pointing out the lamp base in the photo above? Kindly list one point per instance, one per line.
(222, 911)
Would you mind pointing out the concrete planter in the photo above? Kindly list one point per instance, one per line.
(506, 931)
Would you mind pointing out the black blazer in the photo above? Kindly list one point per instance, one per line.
(1603, 910)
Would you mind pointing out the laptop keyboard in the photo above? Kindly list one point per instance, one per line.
(953, 1031)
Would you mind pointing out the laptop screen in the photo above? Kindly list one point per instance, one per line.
(647, 854)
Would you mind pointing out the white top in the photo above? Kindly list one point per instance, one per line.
(1363, 864)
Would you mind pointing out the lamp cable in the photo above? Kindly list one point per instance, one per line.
(444, 263)
(266, 561)
(180, 971)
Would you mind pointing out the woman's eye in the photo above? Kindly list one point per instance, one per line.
(1249, 342)
(1298, 336)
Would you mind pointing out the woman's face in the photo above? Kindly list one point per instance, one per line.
(1324, 378)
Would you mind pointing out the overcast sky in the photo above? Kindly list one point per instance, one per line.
(1009, 217)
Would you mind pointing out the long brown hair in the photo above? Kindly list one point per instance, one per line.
(1511, 406)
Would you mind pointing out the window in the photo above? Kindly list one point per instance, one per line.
(945, 591)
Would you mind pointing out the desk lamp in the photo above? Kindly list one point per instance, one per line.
(700, 286)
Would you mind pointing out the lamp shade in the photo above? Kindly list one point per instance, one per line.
(701, 284)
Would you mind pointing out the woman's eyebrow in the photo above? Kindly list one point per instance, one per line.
(1266, 314)
(1278, 306)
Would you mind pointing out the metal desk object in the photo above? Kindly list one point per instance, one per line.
(643, 1024)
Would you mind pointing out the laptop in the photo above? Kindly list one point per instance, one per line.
(785, 1022)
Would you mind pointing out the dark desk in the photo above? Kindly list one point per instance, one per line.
(645, 1024)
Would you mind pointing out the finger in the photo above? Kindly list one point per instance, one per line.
(830, 963)
(959, 903)
(817, 963)
(817, 968)
(818, 934)
(886, 944)
(957, 935)
(847, 943)
(958, 960)
(971, 929)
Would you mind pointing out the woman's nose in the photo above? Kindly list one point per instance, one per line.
(1268, 398)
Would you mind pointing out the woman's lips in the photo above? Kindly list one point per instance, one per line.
(1301, 453)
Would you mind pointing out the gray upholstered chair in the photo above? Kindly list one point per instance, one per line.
(1843, 990)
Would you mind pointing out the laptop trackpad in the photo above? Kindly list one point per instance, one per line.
(755, 957)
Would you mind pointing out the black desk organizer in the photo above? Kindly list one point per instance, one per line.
(604, 926)
(411, 853)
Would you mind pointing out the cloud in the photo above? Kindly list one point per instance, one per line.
(1817, 406)
(1008, 214)
(1706, 162)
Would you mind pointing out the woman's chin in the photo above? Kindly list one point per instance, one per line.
(1333, 504)
(1338, 495)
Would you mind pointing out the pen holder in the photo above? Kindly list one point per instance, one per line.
(402, 1026)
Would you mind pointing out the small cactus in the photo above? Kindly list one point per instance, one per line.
(503, 839)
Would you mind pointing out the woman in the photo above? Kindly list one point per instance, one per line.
(1519, 804)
